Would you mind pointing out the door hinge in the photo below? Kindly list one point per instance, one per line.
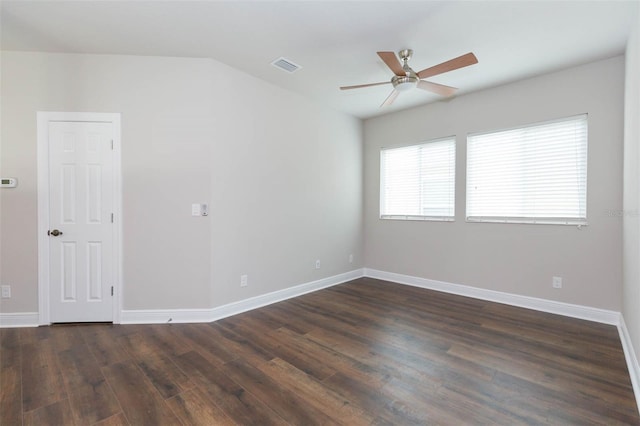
(111, 217)
(112, 290)
(111, 144)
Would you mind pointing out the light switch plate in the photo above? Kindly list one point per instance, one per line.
(195, 210)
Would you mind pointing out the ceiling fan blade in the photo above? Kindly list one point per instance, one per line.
(392, 97)
(439, 89)
(453, 64)
(392, 62)
(364, 85)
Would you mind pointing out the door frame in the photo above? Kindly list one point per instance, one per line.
(43, 119)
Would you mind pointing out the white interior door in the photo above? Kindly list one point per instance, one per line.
(81, 234)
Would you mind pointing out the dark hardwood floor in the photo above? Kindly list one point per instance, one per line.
(365, 352)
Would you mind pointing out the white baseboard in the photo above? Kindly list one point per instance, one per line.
(632, 360)
(19, 319)
(157, 316)
(560, 308)
(280, 295)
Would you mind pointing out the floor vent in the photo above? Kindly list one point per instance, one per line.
(286, 65)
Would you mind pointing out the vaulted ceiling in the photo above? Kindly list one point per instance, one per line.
(335, 42)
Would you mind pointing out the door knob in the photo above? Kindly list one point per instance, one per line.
(55, 232)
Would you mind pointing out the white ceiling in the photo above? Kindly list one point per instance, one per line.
(335, 41)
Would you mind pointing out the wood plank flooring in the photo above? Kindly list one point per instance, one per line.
(366, 352)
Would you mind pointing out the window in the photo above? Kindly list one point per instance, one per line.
(535, 174)
(418, 182)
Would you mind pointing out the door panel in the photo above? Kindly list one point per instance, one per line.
(80, 205)
(69, 271)
(94, 272)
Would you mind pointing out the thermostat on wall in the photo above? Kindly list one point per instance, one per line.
(8, 182)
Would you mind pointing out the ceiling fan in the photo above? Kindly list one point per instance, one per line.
(406, 79)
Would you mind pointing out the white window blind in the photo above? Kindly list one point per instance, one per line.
(418, 182)
(535, 174)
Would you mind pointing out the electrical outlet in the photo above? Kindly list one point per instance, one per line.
(6, 291)
(318, 264)
(244, 280)
(351, 258)
(557, 282)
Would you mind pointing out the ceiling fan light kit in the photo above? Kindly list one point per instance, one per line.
(402, 84)
(405, 78)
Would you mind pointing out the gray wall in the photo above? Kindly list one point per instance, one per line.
(631, 286)
(282, 176)
(512, 258)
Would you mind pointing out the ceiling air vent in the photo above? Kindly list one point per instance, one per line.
(286, 65)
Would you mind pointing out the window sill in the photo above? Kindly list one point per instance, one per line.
(419, 218)
(530, 221)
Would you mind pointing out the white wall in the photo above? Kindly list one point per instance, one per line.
(631, 260)
(283, 177)
(513, 258)
(287, 183)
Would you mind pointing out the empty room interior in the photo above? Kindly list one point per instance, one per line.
(319, 212)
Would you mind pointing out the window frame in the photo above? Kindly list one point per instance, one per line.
(429, 218)
(548, 220)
